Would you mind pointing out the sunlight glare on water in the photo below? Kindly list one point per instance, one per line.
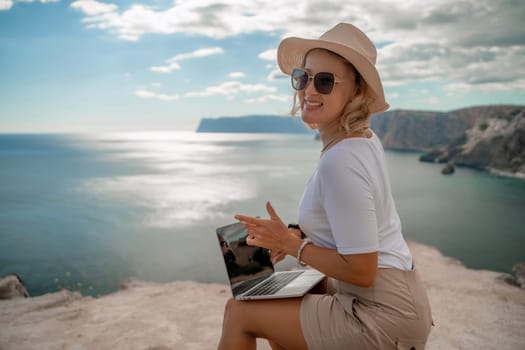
(176, 189)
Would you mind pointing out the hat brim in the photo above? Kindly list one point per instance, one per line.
(292, 51)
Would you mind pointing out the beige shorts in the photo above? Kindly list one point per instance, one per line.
(393, 314)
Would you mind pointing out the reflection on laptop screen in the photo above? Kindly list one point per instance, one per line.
(246, 265)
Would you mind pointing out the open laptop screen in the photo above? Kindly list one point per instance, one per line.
(246, 265)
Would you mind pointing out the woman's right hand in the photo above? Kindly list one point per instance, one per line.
(277, 256)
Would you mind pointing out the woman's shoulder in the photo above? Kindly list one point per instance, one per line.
(353, 148)
(359, 156)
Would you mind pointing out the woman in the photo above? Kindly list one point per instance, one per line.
(374, 297)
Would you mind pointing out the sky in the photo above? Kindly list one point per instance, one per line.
(88, 66)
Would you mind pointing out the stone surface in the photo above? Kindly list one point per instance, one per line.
(472, 310)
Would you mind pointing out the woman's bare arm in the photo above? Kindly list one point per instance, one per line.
(358, 269)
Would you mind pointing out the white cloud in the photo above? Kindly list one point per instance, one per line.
(170, 67)
(199, 53)
(392, 95)
(231, 88)
(210, 18)
(481, 68)
(268, 98)
(153, 95)
(276, 74)
(236, 75)
(92, 7)
(268, 55)
(6, 5)
(458, 88)
(172, 63)
(474, 42)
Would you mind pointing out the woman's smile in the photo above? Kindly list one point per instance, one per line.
(312, 104)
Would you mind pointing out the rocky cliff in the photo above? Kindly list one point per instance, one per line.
(495, 142)
(253, 124)
(420, 130)
(485, 137)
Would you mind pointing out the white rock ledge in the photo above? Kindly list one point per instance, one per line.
(472, 309)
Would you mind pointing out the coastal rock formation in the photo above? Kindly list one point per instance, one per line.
(485, 137)
(12, 287)
(448, 169)
(254, 124)
(472, 309)
(411, 130)
(519, 274)
(495, 142)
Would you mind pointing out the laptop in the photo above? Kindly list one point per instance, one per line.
(251, 273)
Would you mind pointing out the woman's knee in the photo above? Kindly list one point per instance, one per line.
(229, 304)
(232, 308)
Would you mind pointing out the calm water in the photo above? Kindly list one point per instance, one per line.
(88, 211)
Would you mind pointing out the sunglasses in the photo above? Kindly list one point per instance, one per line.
(323, 81)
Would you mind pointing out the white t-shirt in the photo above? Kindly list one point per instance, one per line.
(348, 205)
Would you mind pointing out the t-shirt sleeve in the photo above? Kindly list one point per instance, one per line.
(347, 197)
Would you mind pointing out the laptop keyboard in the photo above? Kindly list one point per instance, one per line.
(274, 283)
(244, 286)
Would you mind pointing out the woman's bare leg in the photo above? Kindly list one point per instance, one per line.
(275, 320)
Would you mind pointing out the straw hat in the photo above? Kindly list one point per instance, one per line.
(347, 41)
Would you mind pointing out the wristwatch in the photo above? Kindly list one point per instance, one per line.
(303, 236)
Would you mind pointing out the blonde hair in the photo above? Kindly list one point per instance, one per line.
(356, 113)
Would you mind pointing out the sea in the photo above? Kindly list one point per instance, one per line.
(87, 212)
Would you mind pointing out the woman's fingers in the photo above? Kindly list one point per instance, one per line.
(257, 221)
(245, 219)
(264, 232)
(271, 212)
(250, 240)
(277, 256)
